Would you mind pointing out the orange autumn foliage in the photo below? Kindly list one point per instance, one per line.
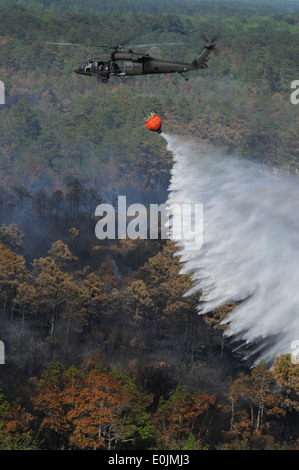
(84, 406)
(94, 411)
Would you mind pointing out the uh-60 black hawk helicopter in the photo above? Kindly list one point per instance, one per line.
(122, 63)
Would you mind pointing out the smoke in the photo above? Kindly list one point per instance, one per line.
(250, 251)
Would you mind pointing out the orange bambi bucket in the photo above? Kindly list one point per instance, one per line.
(154, 124)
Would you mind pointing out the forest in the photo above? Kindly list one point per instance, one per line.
(102, 349)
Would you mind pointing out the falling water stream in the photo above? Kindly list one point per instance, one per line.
(250, 248)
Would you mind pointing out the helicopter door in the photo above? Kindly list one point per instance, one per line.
(133, 68)
(117, 68)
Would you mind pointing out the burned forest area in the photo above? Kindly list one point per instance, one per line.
(103, 349)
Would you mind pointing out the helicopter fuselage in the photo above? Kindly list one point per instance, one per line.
(121, 63)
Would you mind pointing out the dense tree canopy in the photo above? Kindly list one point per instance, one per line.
(103, 351)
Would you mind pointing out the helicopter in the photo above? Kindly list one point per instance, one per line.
(122, 63)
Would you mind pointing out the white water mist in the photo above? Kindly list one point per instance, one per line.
(250, 250)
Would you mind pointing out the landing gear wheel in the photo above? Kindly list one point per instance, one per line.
(104, 78)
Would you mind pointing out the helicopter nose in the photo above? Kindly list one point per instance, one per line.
(78, 70)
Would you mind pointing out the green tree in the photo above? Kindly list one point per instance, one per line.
(15, 431)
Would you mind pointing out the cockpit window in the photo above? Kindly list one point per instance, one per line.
(87, 61)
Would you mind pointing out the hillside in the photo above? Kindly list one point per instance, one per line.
(88, 322)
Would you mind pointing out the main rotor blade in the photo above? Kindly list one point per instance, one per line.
(76, 44)
(156, 44)
(120, 46)
(64, 44)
